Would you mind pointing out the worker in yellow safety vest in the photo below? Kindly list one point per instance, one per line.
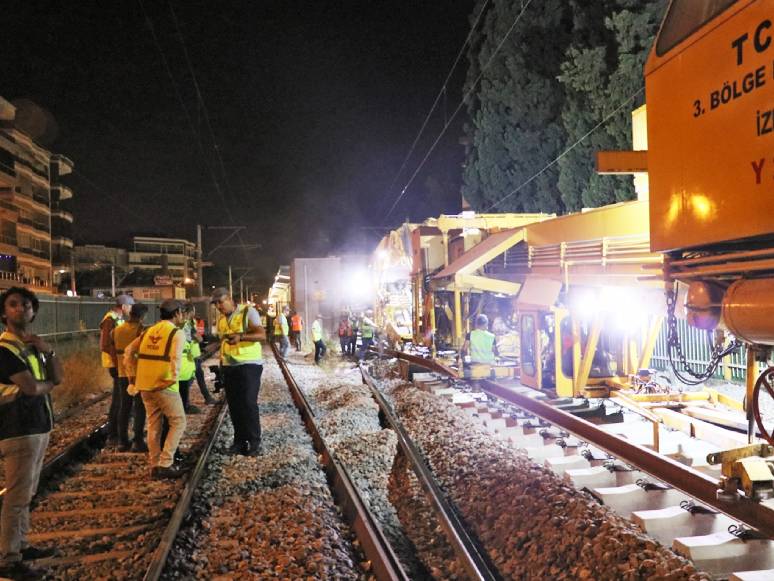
(241, 360)
(480, 343)
(123, 335)
(112, 319)
(29, 369)
(367, 332)
(318, 339)
(154, 362)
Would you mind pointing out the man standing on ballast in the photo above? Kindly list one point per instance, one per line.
(240, 332)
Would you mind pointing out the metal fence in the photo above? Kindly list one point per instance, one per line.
(697, 351)
(62, 318)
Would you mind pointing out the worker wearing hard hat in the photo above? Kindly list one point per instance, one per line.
(480, 344)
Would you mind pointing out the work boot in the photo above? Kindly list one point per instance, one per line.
(252, 450)
(236, 448)
(164, 473)
(192, 409)
(22, 571)
(31, 553)
(139, 446)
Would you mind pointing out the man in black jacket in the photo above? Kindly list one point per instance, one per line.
(29, 369)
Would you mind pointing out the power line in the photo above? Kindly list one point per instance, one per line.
(459, 107)
(187, 113)
(200, 101)
(441, 93)
(568, 150)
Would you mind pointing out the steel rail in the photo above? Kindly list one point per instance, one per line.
(471, 556)
(385, 564)
(431, 364)
(694, 483)
(159, 559)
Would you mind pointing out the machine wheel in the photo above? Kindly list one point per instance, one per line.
(764, 394)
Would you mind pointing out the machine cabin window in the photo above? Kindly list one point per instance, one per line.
(528, 333)
(686, 17)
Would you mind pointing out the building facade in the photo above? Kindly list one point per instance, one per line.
(35, 226)
(171, 259)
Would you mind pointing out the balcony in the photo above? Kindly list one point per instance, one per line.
(9, 279)
(40, 198)
(63, 214)
(36, 224)
(34, 252)
(9, 240)
(61, 192)
(65, 166)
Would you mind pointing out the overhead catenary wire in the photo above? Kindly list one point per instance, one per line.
(566, 151)
(189, 118)
(442, 93)
(462, 102)
(203, 105)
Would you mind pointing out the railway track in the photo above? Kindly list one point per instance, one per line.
(106, 517)
(671, 495)
(76, 430)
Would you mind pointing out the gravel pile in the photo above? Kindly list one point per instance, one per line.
(269, 516)
(348, 418)
(534, 525)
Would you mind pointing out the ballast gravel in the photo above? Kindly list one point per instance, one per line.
(271, 516)
(533, 525)
(348, 418)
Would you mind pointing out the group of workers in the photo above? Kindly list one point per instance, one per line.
(349, 325)
(287, 327)
(152, 368)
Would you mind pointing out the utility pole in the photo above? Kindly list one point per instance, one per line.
(241, 290)
(230, 283)
(199, 260)
(113, 280)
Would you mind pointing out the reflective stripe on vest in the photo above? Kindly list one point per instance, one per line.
(481, 343)
(244, 351)
(154, 357)
(9, 391)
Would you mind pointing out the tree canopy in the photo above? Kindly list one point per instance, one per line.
(565, 66)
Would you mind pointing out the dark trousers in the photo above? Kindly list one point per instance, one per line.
(185, 392)
(284, 346)
(295, 339)
(243, 382)
(344, 342)
(365, 346)
(201, 383)
(130, 405)
(115, 404)
(352, 344)
(319, 350)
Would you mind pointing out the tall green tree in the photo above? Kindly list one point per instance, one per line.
(566, 66)
(603, 72)
(515, 122)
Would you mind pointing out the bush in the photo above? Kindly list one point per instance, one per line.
(84, 375)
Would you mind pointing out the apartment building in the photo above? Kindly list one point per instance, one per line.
(174, 258)
(35, 227)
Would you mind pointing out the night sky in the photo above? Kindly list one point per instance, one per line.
(313, 106)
